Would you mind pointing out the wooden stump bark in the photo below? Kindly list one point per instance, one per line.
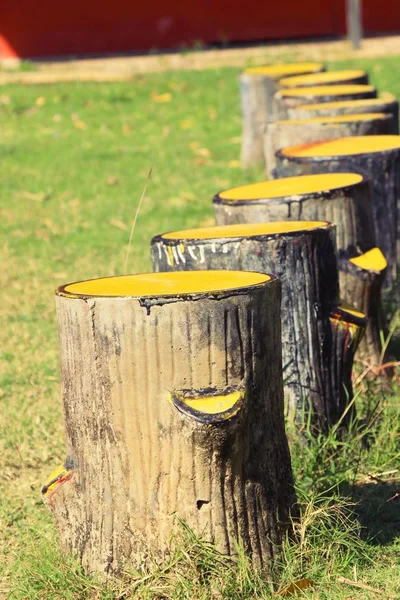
(386, 103)
(257, 87)
(303, 255)
(173, 407)
(341, 198)
(286, 99)
(350, 76)
(376, 158)
(284, 133)
(361, 279)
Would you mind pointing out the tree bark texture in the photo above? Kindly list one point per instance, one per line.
(282, 134)
(349, 207)
(285, 100)
(256, 93)
(361, 287)
(385, 104)
(133, 372)
(382, 168)
(305, 261)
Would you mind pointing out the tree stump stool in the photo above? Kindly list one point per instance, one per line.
(386, 103)
(351, 76)
(361, 279)
(288, 98)
(342, 198)
(173, 407)
(303, 255)
(375, 157)
(284, 133)
(257, 87)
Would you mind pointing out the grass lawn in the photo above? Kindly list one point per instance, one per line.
(73, 162)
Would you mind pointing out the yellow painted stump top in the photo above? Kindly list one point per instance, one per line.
(289, 186)
(145, 285)
(326, 90)
(278, 71)
(373, 260)
(245, 230)
(365, 102)
(334, 119)
(363, 144)
(321, 78)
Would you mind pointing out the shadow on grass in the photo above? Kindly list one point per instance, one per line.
(378, 510)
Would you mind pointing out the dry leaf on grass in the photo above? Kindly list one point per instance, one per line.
(80, 125)
(234, 164)
(295, 588)
(35, 196)
(40, 101)
(202, 152)
(57, 118)
(126, 128)
(161, 98)
(5, 100)
(119, 224)
(212, 113)
(186, 124)
(112, 181)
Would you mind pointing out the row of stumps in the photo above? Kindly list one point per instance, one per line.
(176, 384)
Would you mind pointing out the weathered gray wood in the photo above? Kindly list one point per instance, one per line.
(376, 158)
(360, 284)
(141, 371)
(257, 87)
(341, 198)
(284, 133)
(303, 255)
(386, 103)
(354, 22)
(286, 99)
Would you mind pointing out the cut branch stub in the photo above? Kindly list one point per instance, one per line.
(287, 98)
(351, 76)
(386, 103)
(257, 87)
(303, 255)
(341, 198)
(284, 133)
(361, 279)
(348, 328)
(375, 157)
(173, 407)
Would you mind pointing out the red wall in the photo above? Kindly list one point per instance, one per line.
(34, 28)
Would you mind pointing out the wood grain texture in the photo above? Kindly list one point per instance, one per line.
(142, 460)
(281, 104)
(280, 135)
(362, 288)
(383, 170)
(306, 263)
(349, 207)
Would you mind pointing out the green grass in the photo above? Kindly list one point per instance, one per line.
(73, 161)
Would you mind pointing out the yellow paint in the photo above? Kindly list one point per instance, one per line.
(362, 144)
(171, 256)
(349, 308)
(245, 230)
(326, 90)
(288, 186)
(165, 284)
(373, 260)
(348, 103)
(334, 119)
(321, 78)
(212, 405)
(54, 478)
(278, 71)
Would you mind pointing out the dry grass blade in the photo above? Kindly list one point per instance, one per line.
(364, 586)
(135, 219)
